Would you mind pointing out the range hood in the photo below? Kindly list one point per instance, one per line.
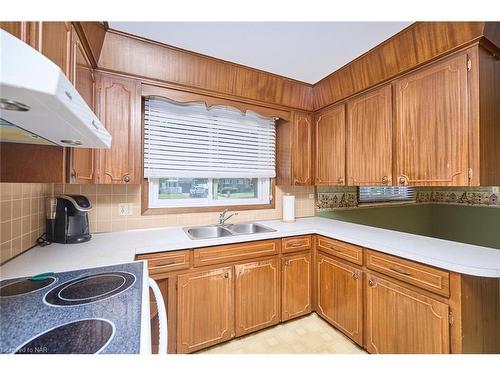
(38, 104)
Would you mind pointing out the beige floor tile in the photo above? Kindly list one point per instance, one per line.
(307, 335)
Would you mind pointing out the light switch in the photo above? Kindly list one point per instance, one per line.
(125, 209)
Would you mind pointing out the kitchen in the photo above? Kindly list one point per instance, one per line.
(163, 195)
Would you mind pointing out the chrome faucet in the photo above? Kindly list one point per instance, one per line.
(223, 218)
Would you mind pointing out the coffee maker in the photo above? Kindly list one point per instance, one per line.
(67, 219)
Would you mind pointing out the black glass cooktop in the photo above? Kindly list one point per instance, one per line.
(90, 288)
(93, 310)
(24, 286)
(83, 337)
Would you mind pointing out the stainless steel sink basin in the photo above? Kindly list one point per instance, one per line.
(200, 233)
(248, 228)
(217, 231)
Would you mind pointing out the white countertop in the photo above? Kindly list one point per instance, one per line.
(121, 247)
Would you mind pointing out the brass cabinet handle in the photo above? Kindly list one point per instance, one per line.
(355, 276)
(341, 180)
(287, 262)
(126, 178)
(385, 180)
(371, 283)
(401, 271)
(226, 275)
(403, 180)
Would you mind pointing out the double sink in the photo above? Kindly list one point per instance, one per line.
(218, 231)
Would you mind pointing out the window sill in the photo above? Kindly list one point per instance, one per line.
(146, 210)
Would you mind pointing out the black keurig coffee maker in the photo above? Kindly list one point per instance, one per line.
(67, 219)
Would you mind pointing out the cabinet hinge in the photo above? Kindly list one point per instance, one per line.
(469, 64)
(450, 318)
(470, 173)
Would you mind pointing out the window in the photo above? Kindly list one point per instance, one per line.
(194, 156)
(375, 194)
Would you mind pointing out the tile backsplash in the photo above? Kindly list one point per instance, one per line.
(106, 198)
(22, 216)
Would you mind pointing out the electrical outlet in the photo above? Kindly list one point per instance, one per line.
(311, 196)
(125, 209)
(495, 189)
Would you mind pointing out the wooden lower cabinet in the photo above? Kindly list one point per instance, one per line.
(257, 295)
(340, 296)
(402, 321)
(296, 286)
(204, 309)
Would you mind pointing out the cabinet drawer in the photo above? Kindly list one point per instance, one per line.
(291, 244)
(340, 249)
(239, 251)
(425, 277)
(165, 262)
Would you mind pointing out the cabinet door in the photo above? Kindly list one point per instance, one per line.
(205, 314)
(53, 40)
(82, 159)
(340, 296)
(119, 110)
(257, 295)
(18, 29)
(402, 321)
(296, 286)
(369, 138)
(302, 149)
(330, 146)
(431, 125)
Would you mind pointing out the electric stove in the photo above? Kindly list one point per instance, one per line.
(96, 310)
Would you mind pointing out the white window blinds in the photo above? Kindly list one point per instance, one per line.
(385, 193)
(189, 140)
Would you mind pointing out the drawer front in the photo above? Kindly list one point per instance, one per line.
(292, 244)
(340, 249)
(165, 262)
(229, 253)
(425, 277)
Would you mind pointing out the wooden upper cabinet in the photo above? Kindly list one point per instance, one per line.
(330, 146)
(82, 160)
(53, 40)
(296, 286)
(118, 107)
(205, 314)
(431, 129)
(369, 138)
(257, 295)
(340, 296)
(18, 29)
(302, 149)
(294, 150)
(401, 321)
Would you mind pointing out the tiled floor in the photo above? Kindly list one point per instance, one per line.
(308, 335)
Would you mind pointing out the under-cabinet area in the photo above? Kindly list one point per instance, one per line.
(383, 303)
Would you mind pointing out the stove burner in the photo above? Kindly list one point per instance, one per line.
(81, 337)
(90, 288)
(24, 286)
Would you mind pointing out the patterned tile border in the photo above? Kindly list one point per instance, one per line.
(461, 197)
(328, 201)
(333, 197)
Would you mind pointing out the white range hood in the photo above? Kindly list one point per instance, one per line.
(38, 104)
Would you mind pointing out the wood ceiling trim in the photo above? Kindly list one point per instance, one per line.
(137, 56)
